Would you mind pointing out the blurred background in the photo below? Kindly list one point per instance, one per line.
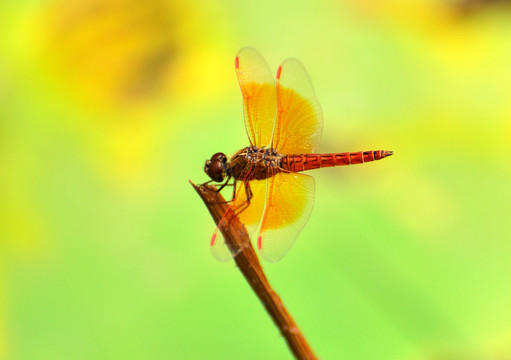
(108, 107)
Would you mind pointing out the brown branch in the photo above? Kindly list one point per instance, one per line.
(238, 241)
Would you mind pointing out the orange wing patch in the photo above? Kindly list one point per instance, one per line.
(299, 119)
(251, 215)
(289, 201)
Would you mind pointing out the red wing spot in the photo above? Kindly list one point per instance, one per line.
(259, 242)
(213, 238)
(237, 62)
(279, 71)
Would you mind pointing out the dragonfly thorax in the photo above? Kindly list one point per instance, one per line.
(265, 156)
(254, 163)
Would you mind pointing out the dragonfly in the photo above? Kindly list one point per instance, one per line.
(284, 122)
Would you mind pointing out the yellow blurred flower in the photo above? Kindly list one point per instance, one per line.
(124, 53)
(114, 67)
(112, 52)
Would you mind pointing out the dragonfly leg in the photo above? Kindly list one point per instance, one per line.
(233, 191)
(246, 204)
(248, 192)
(224, 184)
(206, 183)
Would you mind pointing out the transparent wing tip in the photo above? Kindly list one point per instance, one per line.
(219, 248)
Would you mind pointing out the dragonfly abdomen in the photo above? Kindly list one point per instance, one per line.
(303, 162)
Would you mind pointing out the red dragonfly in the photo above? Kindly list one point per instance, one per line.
(283, 121)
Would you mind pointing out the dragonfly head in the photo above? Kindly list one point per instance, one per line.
(215, 168)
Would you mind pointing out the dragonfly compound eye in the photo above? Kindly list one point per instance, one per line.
(215, 169)
(219, 156)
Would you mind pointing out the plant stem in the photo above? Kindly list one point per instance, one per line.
(237, 239)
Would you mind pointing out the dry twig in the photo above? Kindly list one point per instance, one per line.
(238, 241)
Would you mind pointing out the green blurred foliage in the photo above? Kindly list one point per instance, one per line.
(107, 108)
